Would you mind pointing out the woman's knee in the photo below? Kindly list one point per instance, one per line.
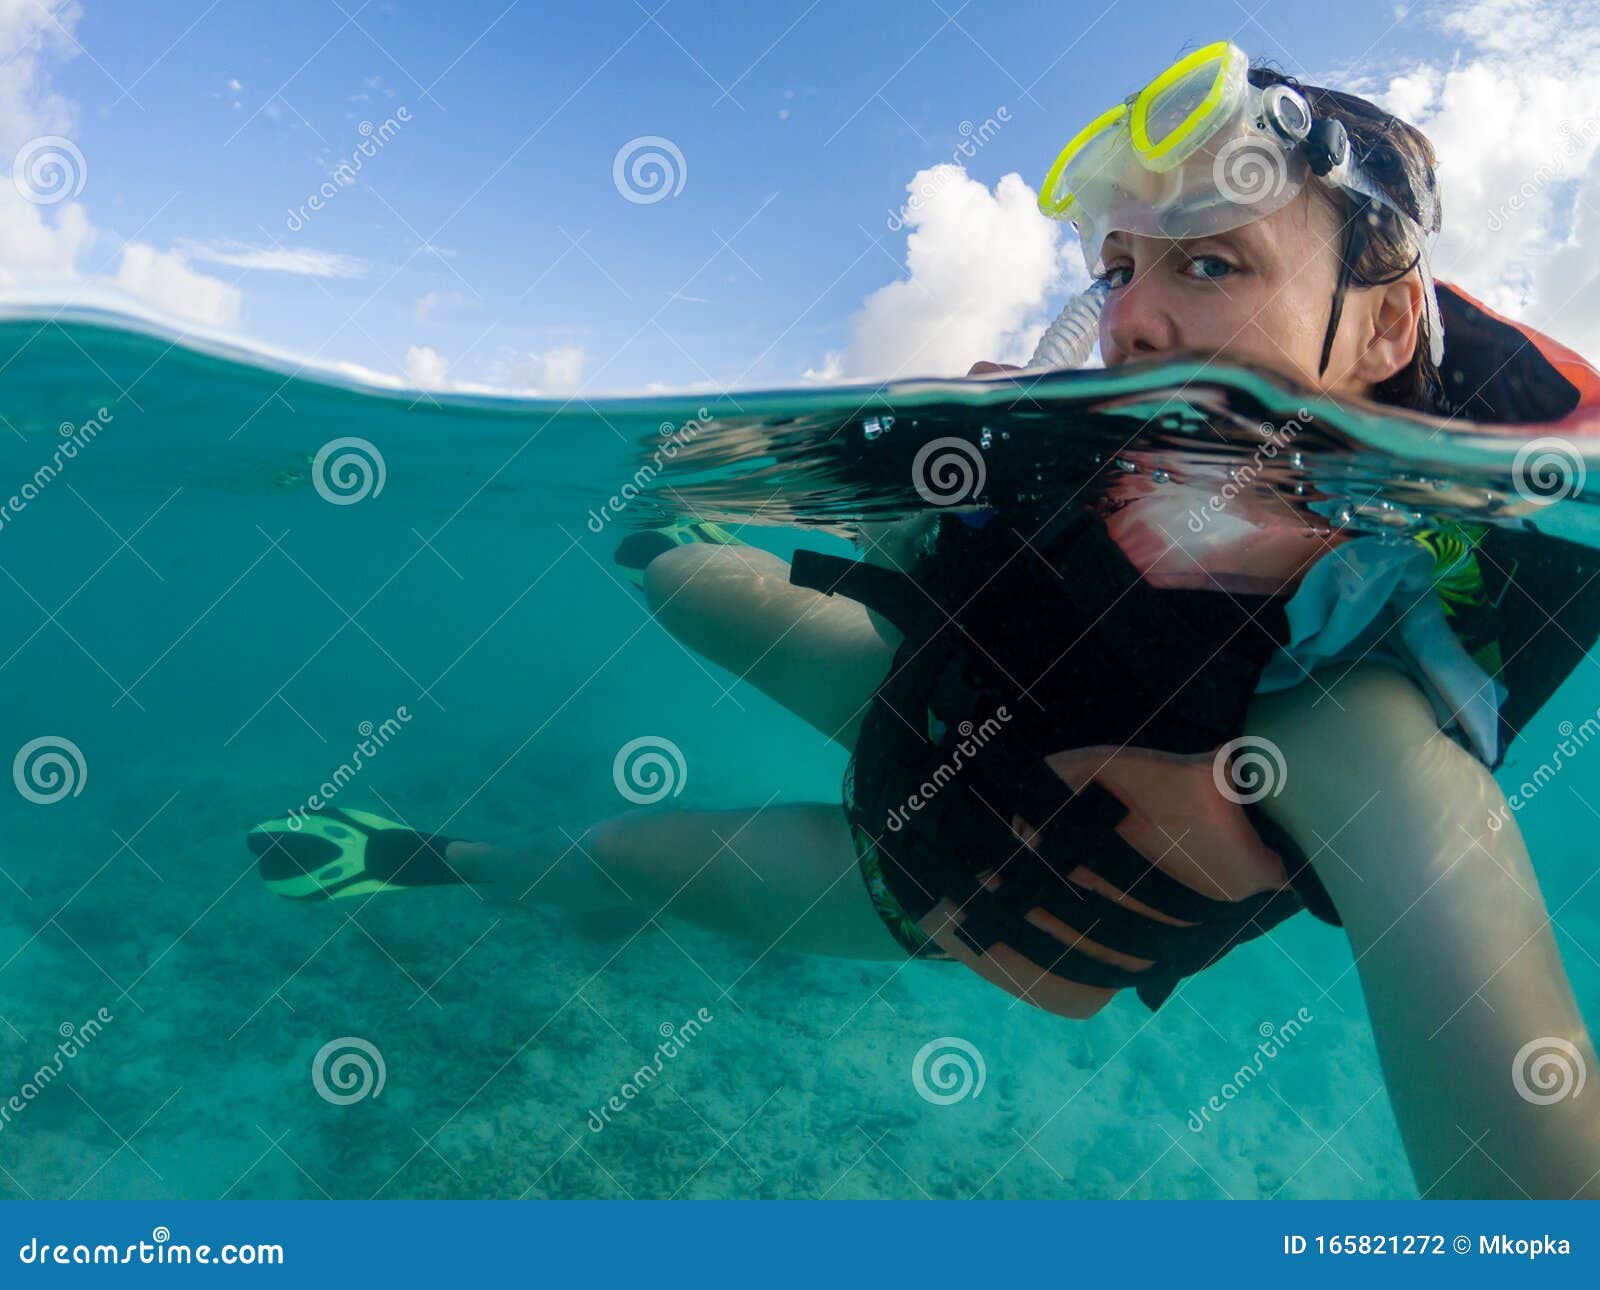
(689, 576)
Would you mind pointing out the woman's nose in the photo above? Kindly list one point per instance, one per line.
(1136, 324)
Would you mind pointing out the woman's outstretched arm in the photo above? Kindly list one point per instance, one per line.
(1475, 1020)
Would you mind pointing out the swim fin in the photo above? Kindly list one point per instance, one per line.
(332, 853)
(636, 550)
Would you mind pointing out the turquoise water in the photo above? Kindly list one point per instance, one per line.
(209, 632)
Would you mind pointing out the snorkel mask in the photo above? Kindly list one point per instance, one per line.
(1200, 151)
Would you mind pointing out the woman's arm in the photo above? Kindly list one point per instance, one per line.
(1451, 937)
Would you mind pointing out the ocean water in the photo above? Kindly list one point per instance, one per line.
(201, 620)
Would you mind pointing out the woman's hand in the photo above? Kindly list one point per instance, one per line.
(985, 368)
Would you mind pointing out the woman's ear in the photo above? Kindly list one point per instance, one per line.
(1394, 316)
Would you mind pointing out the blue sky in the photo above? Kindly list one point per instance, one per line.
(489, 229)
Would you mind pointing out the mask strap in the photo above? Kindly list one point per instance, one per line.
(1337, 310)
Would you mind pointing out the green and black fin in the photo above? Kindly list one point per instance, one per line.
(333, 853)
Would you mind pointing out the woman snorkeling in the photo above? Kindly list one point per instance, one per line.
(1096, 837)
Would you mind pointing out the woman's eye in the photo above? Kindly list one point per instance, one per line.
(1114, 276)
(1201, 262)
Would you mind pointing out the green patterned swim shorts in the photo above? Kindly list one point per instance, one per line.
(917, 943)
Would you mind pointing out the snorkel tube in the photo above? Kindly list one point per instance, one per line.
(1069, 340)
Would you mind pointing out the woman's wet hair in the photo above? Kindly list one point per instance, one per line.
(1377, 248)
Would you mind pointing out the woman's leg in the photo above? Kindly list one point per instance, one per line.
(1482, 1044)
(784, 876)
(819, 656)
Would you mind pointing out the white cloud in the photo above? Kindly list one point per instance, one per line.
(32, 32)
(51, 243)
(982, 268)
(425, 368)
(303, 261)
(558, 370)
(832, 368)
(165, 280)
(1515, 118)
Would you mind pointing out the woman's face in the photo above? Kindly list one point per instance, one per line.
(1261, 293)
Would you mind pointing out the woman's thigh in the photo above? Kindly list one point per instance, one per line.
(819, 656)
(784, 876)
